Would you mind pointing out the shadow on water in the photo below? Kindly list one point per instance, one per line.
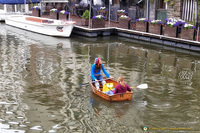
(47, 94)
(159, 47)
(34, 38)
(120, 108)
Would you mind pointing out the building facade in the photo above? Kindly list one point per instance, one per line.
(151, 9)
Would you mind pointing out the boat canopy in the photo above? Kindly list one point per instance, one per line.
(19, 1)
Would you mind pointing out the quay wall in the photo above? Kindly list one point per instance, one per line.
(137, 35)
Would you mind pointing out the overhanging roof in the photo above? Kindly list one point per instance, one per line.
(19, 1)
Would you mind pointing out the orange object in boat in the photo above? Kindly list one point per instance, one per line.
(38, 20)
(34, 19)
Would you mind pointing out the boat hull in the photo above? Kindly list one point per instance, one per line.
(116, 97)
(41, 25)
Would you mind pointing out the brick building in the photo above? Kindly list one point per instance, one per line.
(151, 9)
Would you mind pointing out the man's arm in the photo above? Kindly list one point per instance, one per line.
(116, 89)
(128, 88)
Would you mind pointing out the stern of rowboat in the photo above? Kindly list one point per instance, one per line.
(117, 97)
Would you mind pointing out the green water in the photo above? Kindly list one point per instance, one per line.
(40, 85)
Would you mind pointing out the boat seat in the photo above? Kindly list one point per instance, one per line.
(39, 20)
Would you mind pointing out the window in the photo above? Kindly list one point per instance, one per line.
(161, 4)
(1, 6)
(132, 2)
(116, 2)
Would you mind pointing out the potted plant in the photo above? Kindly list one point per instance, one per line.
(187, 31)
(124, 22)
(120, 13)
(103, 8)
(155, 27)
(36, 11)
(98, 21)
(142, 24)
(85, 18)
(103, 11)
(54, 14)
(171, 27)
(63, 15)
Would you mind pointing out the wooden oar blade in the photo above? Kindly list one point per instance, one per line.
(142, 86)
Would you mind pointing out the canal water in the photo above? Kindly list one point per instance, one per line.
(41, 92)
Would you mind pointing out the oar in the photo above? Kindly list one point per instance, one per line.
(84, 84)
(141, 86)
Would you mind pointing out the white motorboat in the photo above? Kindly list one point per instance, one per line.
(40, 25)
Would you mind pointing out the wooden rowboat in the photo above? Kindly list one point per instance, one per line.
(116, 97)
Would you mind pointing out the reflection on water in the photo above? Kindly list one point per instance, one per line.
(40, 85)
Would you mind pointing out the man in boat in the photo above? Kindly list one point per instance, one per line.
(122, 87)
(96, 72)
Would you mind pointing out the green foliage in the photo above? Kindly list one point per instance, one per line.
(190, 22)
(172, 3)
(199, 11)
(152, 1)
(86, 14)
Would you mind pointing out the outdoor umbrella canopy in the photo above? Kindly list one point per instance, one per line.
(19, 1)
